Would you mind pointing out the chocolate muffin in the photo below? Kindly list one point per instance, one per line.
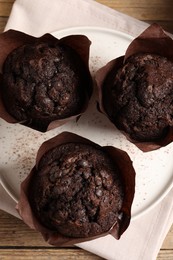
(44, 81)
(138, 98)
(76, 190)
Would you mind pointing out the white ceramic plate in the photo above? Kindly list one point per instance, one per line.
(19, 144)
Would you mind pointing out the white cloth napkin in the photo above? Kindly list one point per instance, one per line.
(145, 235)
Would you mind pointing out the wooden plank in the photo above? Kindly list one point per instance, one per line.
(168, 242)
(15, 234)
(44, 254)
(13, 230)
(146, 10)
(7, 1)
(161, 9)
(165, 255)
(63, 254)
(3, 21)
(136, 3)
(5, 8)
(147, 13)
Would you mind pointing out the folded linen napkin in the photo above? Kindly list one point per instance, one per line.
(145, 235)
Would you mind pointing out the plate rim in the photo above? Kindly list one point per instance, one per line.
(93, 28)
(74, 31)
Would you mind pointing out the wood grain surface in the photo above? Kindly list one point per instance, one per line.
(17, 241)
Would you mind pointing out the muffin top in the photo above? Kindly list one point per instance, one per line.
(76, 190)
(43, 82)
(138, 98)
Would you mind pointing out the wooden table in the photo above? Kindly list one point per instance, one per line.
(17, 241)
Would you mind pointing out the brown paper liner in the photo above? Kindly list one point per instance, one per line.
(119, 157)
(12, 39)
(153, 40)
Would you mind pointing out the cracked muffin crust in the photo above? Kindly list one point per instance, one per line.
(139, 97)
(76, 190)
(43, 82)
